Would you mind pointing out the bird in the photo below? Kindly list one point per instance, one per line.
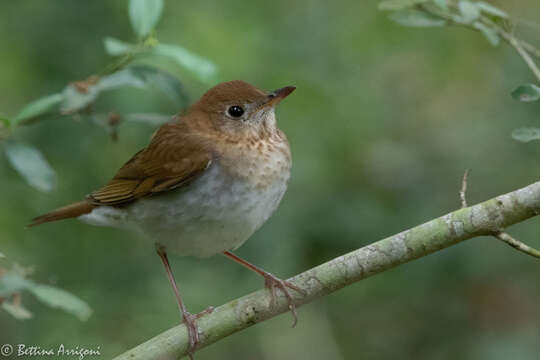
(208, 179)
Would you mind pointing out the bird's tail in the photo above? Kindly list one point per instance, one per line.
(66, 212)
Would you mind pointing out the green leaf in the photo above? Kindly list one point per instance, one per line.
(58, 298)
(18, 311)
(416, 18)
(148, 118)
(12, 282)
(204, 69)
(162, 80)
(526, 93)
(122, 78)
(38, 107)
(76, 99)
(31, 165)
(526, 134)
(116, 47)
(399, 4)
(491, 10)
(491, 34)
(144, 15)
(441, 4)
(469, 11)
(2, 255)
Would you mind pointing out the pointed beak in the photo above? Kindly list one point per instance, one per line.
(276, 96)
(283, 92)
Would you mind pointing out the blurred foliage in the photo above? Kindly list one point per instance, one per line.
(14, 280)
(78, 98)
(383, 123)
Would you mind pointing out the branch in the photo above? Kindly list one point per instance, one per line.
(486, 218)
(516, 244)
(518, 45)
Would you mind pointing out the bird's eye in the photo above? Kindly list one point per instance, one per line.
(235, 111)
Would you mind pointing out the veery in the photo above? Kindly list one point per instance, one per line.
(205, 183)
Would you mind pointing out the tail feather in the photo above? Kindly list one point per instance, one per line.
(66, 212)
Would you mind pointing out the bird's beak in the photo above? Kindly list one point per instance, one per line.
(276, 96)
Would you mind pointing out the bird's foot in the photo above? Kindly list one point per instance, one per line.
(273, 283)
(193, 331)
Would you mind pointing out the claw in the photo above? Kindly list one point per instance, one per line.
(273, 283)
(193, 333)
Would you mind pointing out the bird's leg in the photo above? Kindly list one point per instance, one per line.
(272, 283)
(188, 318)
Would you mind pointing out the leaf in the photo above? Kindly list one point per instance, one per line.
(58, 298)
(399, 4)
(491, 10)
(490, 34)
(116, 47)
(12, 282)
(526, 93)
(441, 4)
(469, 11)
(148, 118)
(38, 107)
(144, 15)
(416, 18)
(162, 80)
(526, 134)
(205, 70)
(2, 255)
(78, 97)
(75, 99)
(31, 165)
(122, 78)
(18, 311)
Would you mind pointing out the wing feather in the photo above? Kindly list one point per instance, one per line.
(174, 157)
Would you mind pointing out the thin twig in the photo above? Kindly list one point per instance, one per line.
(522, 47)
(523, 53)
(530, 48)
(463, 192)
(516, 244)
(517, 44)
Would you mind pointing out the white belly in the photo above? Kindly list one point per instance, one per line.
(215, 213)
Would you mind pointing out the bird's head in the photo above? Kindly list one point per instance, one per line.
(237, 108)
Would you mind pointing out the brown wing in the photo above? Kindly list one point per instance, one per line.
(174, 157)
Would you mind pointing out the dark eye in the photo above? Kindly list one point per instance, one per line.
(235, 111)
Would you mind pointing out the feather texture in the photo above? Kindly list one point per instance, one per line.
(66, 212)
(176, 155)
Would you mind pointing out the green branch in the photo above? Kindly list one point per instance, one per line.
(487, 218)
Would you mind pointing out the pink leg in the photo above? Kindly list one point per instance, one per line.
(188, 318)
(272, 283)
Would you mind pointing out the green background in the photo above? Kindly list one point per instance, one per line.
(383, 123)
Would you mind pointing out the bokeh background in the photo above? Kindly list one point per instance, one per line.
(382, 126)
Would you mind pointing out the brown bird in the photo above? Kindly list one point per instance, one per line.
(205, 183)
